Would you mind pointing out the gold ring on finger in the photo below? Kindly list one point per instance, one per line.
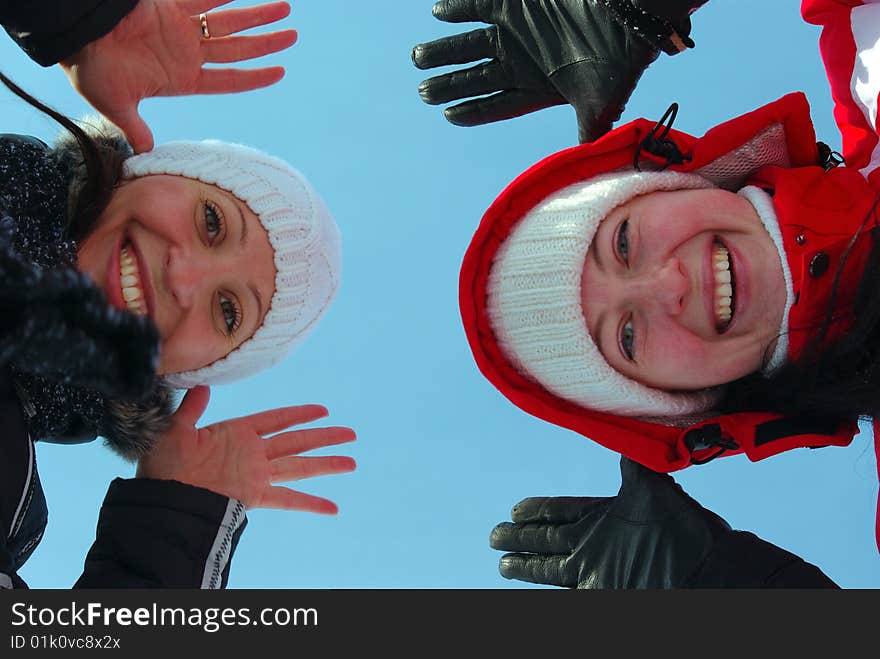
(203, 21)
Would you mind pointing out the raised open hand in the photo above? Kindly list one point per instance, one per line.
(589, 53)
(650, 535)
(159, 50)
(235, 458)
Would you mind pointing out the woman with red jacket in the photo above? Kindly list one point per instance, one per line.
(672, 298)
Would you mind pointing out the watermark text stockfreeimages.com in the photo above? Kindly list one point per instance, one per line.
(209, 619)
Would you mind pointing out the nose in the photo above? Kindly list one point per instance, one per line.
(667, 287)
(186, 274)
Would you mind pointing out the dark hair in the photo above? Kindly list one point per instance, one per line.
(840, 379)
(100, 158)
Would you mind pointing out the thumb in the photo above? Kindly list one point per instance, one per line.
(591, 127)
(193, 405)
(135, 129)
(635, 476)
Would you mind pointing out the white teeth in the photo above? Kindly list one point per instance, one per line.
(723, 284)
(131, 293)
(129, 281)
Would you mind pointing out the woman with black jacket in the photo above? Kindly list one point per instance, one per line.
(111, 300)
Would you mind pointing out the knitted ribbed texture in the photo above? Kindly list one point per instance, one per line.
(534, 298)
(763, 205)
(301, 231)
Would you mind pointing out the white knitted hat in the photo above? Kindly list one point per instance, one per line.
(302, 233)
(534, 298)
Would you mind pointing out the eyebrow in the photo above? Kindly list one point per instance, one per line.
(243, 243)
(595, 251)
(600, 321)
(244, 226)
(259, 299)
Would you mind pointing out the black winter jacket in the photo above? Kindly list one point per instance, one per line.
(64, 353)
(150, 533)
(51, 30)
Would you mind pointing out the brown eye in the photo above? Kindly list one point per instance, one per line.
(213, 221)
(231, 314)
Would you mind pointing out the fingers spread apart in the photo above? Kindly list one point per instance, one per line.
(286, 465)
(295, 442)
(200, 6)
(499, 107)
(297, 468)
(462, 11)
(237, 49)
(458, 49)
(280, 418)
(556, 510)
(536, 538)
(481, 79)
(283, 498)
(550, 570)
(229, 21)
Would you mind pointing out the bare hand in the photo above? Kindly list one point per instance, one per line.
(158, 50)
(233, 457)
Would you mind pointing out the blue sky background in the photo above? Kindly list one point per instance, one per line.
(442, 456)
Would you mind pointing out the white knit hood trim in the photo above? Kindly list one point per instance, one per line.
(763, 205)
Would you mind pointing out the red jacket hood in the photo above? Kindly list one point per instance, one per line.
(754, 147)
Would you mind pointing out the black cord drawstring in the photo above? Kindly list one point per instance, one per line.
(708, 436)
(661, 145)
(828, 158)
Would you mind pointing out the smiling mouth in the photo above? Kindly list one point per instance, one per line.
(725, 286)
(130, 281)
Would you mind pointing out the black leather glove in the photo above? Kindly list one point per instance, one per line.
(589, 53)
(651, 535)
(57, 324)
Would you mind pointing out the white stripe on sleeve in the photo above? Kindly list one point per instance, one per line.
(218, 557)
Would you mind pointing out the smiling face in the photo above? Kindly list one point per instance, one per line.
(683, 289)
(190, 255)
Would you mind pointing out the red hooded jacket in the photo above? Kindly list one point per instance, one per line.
(819, 207)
